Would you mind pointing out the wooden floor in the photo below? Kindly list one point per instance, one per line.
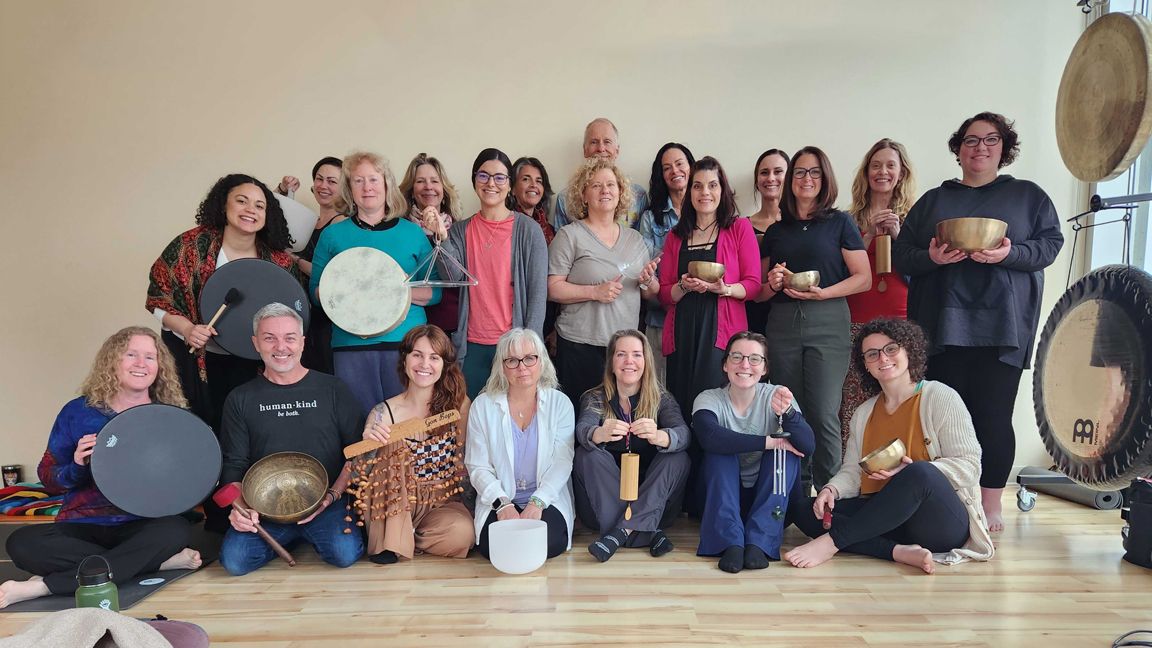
(1057, 580)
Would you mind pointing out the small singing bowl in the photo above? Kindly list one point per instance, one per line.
(802, 281)
(706, 271)
(884, 458)
(971, 234)
(285, 487)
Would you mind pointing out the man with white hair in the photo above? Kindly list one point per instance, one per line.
(288, 408)
(602, 140)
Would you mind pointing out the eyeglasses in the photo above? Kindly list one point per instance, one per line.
(972, 141)
(754, 359)
(527, 361)
(890, 350)
(483, 177)
(815, 173)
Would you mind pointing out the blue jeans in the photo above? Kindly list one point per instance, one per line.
(245, 552)
(370, 374)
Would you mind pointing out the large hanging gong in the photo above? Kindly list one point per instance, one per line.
(1093, 381)
(1102, 116)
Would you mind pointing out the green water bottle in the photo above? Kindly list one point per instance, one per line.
(96, 588)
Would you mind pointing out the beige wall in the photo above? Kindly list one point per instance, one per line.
(117, 116)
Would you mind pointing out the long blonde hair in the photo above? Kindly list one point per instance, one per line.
(903, 194)
(450, 204)
(102, 385)
(650, 388)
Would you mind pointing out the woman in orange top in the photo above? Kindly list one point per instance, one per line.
(927, 509)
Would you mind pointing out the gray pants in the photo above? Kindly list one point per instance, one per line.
(596, 479)
(659, 363)
(808, 350)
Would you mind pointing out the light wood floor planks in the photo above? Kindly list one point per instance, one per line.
(1057, 580)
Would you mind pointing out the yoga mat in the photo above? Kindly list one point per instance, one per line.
(1049, 483)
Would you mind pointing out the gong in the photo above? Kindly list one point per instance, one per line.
(1102, 116)
(258, 283)
(1093, 380)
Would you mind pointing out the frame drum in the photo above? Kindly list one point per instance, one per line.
(156, 460)
(260, 283)
(301, 221)
(1093, 380)
(365, 292)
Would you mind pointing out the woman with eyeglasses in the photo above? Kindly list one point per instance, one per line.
(810, 329)
(598, 270)
(520, 443)
(927, 509)
(747, 487)
(431, 195)
(505, 253)
(981, 310)
(630, 412)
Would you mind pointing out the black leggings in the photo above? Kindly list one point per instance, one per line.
(917, 506)
(557, 531)
(579, 367)
(988, 388)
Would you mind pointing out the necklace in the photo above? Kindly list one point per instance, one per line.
(706, 227)
(487, 239)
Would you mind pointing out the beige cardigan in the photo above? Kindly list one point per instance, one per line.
(951, 441)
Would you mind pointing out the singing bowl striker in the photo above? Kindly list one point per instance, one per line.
(706, 271)
(802, 281)
(886, 457)
(971, 234)
(285, 487)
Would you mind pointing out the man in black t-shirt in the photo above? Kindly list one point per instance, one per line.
(289, 408)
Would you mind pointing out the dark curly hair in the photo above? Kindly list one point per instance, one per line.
(1004, 126)
(907, 334)
(212, 213)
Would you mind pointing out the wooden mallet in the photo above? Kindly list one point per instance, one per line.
(227, 496)
(233, 296)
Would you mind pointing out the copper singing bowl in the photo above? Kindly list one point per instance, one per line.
(971, 234)
(285, 487)
(802, 281)
(706, 271)
(884, 458)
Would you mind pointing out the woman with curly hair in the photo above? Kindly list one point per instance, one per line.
(431, 195)
(435, 521)
(598, 270)
(132, 368)
(980, 310)
(925, 510)
(238, 219)
(366, 364)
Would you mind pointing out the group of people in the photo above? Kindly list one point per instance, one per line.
(585, 332)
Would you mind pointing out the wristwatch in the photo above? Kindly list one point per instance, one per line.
(500, 502)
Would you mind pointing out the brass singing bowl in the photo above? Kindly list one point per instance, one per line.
(884, 458)
(802, 281)
(971, 234)
(285, 487)
(706, 271)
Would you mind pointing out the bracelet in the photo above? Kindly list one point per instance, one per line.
(538, 502)
(502, 507)
(335, 495)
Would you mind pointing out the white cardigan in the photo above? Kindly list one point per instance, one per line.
(951, 442)
(491, 452)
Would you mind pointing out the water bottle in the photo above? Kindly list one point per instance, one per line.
(96, 588)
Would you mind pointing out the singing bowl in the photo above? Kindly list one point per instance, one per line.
(706, 271)
(884, 458)
(518, 546)
(285, 487)
(802, 281)
(971, 234)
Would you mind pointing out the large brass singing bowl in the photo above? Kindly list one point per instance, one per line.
(706, 271)
(802, 281)
(971, 234)
(886, 457)
(285, 487)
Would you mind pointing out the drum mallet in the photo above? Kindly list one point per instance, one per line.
(227, 496)
(233, 296)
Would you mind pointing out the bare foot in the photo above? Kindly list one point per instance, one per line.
(185, 559)
(916, 556)
(991, 499)
(16, 591)
(812, 553)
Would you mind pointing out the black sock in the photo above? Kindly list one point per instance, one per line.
(606, 546)
(733, 559)
(660, 544)
(384, 558)
(754, 557)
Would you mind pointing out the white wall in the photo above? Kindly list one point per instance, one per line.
(117, 116)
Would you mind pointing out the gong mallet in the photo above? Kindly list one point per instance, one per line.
(233, 296)
(227, 496)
